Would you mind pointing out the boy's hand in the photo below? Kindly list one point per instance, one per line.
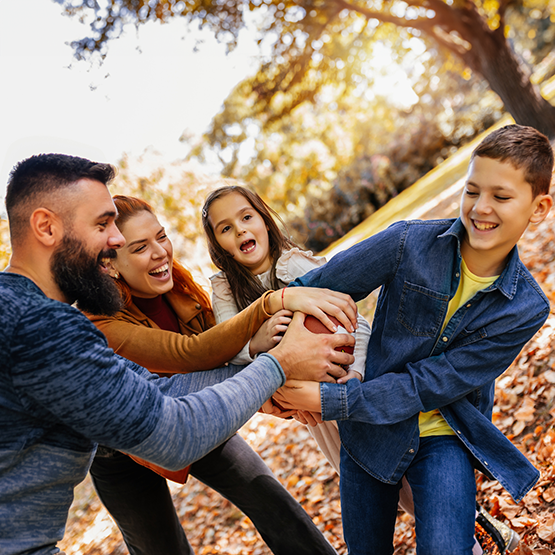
(301, 395)
(319, 303)
(307, 356)
(270, 332)
(269, 407)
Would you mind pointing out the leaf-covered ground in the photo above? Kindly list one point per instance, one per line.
(524, 410)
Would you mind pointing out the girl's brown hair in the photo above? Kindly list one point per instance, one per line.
(245, 286)
(183, 281)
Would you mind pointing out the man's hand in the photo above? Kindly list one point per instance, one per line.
(308, 356)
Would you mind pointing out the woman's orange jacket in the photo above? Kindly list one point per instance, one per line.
(201, 345)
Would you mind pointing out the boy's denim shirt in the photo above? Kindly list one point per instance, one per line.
(413, 366)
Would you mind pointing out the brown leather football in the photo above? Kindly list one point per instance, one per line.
(315, 326)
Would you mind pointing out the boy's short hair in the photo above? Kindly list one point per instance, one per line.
(37, 177)
(526, 149)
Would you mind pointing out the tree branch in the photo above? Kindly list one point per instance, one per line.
(438, 28)
(420, 23)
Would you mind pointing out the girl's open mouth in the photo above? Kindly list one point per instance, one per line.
(248, 246)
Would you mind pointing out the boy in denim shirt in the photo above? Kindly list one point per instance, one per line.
(456, 307)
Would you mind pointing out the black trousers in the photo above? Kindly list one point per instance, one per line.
(139, 501)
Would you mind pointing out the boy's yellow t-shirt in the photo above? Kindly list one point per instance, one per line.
(432, 423)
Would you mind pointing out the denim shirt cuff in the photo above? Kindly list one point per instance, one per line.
(333, 397)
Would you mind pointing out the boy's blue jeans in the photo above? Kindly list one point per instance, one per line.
(442, 480)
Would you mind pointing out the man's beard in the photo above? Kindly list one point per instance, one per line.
(80, 278)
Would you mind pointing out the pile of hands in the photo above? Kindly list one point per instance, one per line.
(307, 358)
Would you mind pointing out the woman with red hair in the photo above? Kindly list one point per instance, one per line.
(167, 325)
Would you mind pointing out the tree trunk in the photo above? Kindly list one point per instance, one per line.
(491, 56)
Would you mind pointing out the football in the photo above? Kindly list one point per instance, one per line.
(315, 326)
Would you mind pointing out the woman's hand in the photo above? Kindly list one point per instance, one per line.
(270, 332)
(317, 302)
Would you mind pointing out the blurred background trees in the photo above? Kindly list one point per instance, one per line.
(353, 101)
(4, 243)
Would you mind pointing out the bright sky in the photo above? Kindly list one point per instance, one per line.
(151, 87)
(136, 99)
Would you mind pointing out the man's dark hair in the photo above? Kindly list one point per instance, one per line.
(34, 178)
(526, 149)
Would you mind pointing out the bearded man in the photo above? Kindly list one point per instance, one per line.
(62, 390)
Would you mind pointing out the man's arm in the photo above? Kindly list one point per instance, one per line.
(221, 409)
(69, 373)
(190, 423)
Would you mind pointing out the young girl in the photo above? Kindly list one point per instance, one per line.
(246, 244)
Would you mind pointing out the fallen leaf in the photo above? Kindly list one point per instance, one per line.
(549, 494)
(527, 411)
(546, 530)
(523, 521)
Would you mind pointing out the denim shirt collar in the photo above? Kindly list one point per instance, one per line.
(506, 283)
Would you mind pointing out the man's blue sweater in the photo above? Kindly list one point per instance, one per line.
(62, 391)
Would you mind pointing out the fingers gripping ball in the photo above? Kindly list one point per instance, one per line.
(315, 326)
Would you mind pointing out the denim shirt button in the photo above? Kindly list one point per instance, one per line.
(486, 463)
(445, 339)
(457, 274)
(468, 305)
(411, 450)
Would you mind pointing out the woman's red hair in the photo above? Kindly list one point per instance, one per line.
(183, 282)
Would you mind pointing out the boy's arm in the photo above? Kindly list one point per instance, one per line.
(296, 264)
(362, 268)
(430, 383)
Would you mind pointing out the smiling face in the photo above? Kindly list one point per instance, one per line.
(91, 218)
(146, 260)
(241, 231)
(89, 242)
(496, 207)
